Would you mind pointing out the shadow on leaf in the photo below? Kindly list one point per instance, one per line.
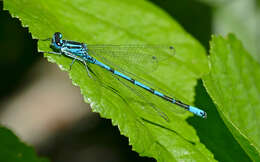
(213, 132)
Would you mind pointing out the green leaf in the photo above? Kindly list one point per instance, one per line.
(233, 84)
(13, 150)
(214, 133)
(117, 21)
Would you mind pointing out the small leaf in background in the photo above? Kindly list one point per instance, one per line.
(116, 21)
(233, 84)
(13, 150)
(241, 17)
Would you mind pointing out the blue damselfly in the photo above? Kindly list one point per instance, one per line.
(88, 54)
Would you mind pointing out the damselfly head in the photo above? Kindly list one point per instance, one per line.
(56, 42)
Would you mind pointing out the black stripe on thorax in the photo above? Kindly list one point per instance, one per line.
(72, 42)
(73, 47)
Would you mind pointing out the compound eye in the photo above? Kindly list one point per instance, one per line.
(57, 38)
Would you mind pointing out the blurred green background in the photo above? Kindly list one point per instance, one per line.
(63, 128)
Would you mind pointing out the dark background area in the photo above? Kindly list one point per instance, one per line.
(101, 141)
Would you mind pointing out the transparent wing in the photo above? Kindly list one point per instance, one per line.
(134, 74)
(141, 100)
(142, 96)
(133, 57)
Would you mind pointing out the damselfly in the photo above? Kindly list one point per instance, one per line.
(88, 54)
